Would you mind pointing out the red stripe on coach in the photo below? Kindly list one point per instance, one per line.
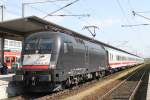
(118, 63)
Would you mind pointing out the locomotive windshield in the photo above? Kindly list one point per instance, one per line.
(43, 45)
(31, 44)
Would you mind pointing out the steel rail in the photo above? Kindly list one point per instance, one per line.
(110, 91)
(136, 88)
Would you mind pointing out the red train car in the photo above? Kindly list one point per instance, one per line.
(11, 57)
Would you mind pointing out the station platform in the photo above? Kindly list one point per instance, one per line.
(4, 81)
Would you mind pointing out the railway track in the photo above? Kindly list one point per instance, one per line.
(75, 90)
(126, 89)
(51, 96)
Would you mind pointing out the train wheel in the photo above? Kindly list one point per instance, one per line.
(67, 83)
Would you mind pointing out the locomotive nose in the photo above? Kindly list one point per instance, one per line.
(36, 61)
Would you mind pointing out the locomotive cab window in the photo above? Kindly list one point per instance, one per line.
(45, 45)
(30, 45)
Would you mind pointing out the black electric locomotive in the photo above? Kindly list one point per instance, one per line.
(53, 60)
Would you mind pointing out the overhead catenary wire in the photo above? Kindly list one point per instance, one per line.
(131, 8)
(44, 1)
(135, 13)
(38, 2)
(61, 8)
(122, 10)
(35, 8)
(10, 11)
(144, 11)
(129, 4)
(6, 5)
(138, 30)
(134, 25)
(38, 9)
(78, 17)
(70, 13)
(62, 15)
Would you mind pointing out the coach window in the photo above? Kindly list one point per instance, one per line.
(112, 57)
(121, 58)
(117, 58)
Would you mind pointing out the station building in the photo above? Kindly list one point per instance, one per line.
(12, 52)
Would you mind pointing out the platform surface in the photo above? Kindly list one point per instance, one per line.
(148, 89)
(4, 80)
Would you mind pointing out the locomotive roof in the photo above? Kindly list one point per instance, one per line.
(17, 29)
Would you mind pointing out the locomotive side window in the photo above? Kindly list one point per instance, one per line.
(79, 41)
(68, 47)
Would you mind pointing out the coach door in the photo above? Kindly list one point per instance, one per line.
(86, 56)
